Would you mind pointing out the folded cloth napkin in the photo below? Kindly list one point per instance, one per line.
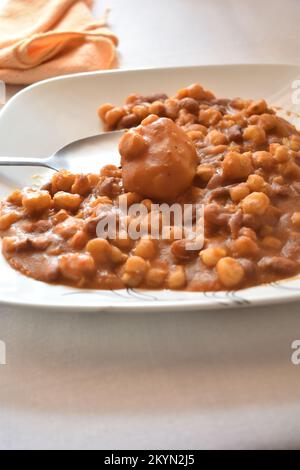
(45, 38)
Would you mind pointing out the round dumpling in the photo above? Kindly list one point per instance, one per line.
(158, 159)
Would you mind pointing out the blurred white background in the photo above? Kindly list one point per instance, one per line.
(189, 32)
(174, 380)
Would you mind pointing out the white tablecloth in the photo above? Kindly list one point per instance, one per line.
(221, 379)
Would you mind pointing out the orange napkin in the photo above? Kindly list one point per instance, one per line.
(45, 38)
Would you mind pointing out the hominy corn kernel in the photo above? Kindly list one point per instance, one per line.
(62, 181)
(177, 278)
(132, 145)
(290, 170)
(239, 192)
(272, 243)
(59, 217)
(36, 202)
(93, 179)
(79, 240)
(278, 180)
(195, 135)
(101, 200)
(296, 219)
(141, 111)
(136, 264)
(117, 256)
(114, 115)
(256, 203)
(100, 250)
(132, 98)
(230, 272)
(210, 256)
(245, 247)
(216, 138)
(7, 220)
(197, 128)
(111, 171)
(104, 109)
(16, 197)
(171, 108)
(255, 183)
(182, 93)
(267, 121)
(135, 271)
(149, 120)
(131, 280)
(248, 232)
(255, 134)
(158, 108)
(262, 159)
(294, 143)
(205, 172)
(281, 154)
(67, 201)
(155, 277)
(209, 117)
(239, 103)
(195, 91)
(254, 119)
(185, 118)
(257, 107)
(146, 249)
(123, 243)
(236, 166)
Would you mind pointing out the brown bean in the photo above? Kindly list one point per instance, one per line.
(190, 104)
(110, 187)
(40, 243)
(14, 244)
(81, 185)
(180, 251)
(234, 134)
(155, 97)
(128, 121)
(292, 249)
(41, 226)
(250, 267)
(235, 223)
(216, 215)
(278, 265)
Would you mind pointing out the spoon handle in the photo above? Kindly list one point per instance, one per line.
(21, 161)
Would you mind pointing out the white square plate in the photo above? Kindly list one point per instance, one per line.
(46, 116)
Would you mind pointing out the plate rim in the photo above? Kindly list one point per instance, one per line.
(139, 69)
(224, 303)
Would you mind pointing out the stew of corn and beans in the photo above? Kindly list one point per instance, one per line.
(234, 156)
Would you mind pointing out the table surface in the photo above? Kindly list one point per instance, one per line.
(175, 380)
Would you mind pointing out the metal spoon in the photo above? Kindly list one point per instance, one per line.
(86, 155)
